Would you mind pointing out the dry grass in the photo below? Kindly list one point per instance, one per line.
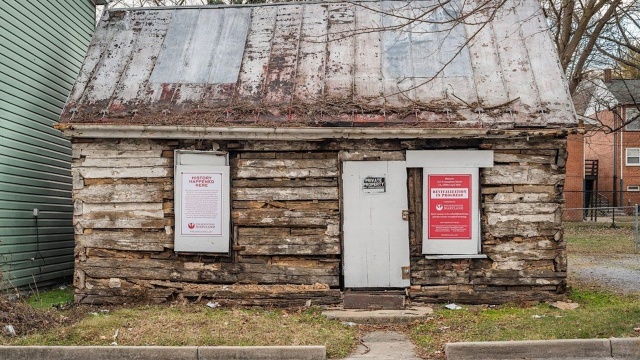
(197, 325)
(600, 315)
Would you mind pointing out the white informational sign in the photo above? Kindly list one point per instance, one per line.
(202, 204)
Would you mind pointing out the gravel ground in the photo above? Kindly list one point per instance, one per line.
(620, 273)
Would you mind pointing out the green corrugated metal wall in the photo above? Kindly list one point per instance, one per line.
(42, 45)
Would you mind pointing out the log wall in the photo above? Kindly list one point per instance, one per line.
(286, 241)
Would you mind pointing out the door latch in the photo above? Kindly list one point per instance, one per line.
(405, 215)
(406, 272)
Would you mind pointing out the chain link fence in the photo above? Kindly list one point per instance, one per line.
(613, 209)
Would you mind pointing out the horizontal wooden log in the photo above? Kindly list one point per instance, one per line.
(127, 240)
(521, 175)
(535, 143)
(272, 193)
(278, 236)
(488, 190)
(121, 193)
(288, 155)
(289, 205)
(498, 273)
(128, 172)
(515, 198)
(280, 168)
(521, 255)
(105, 162)
(523, 159)
(536, 189)
(521, 208)
(224, 273)
(120, 144)
(499, 296)
(103, 292)
(122, 223)
(284, 182)
(291, 249)
(497, 220)
(281, 217)
(525, 229)
(106, 153)
(361, 155)
(132, 210)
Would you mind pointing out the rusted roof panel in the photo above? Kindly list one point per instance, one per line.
(377, 63)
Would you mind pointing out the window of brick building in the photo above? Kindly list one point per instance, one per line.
(632, 119)
(633, 156)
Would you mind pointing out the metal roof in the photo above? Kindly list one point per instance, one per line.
(378, 63)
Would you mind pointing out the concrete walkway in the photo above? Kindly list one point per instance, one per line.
(385, 345)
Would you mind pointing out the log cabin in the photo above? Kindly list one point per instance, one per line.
(311, 153)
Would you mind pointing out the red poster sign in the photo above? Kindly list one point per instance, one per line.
(449, 206)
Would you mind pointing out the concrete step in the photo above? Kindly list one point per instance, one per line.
(379, 316)
(377, 300)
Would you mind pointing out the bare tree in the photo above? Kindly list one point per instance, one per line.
(592, 34)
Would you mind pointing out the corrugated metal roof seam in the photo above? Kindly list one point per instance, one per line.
(387, 63)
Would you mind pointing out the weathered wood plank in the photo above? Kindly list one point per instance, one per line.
(497, 220)
(290, 205)
(120, 144)
(521, 175)
(524, 208)
(120, 193)
(129, 172)
(225, 273)
(281, 217)
(117, 291)
(271, 193)
(121, 222)
(523, 159)
(89, 152)
(132, 210)
(281, 168)
(514, 198)
(291, 249)
(122, 162)
(284, 238)
(279, 183)
(498, 295)
(126, 240)
(358, 155)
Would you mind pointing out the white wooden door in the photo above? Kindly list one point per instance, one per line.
(376, 238)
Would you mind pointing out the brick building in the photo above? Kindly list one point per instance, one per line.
(612, 140)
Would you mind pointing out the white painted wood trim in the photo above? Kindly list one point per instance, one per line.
(450, 158)
(449, 257)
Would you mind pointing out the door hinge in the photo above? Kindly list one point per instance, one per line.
(406, 272)
(405, 215)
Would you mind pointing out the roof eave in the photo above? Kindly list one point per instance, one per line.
(299, 133)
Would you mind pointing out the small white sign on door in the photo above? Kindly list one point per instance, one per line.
(374, 184)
